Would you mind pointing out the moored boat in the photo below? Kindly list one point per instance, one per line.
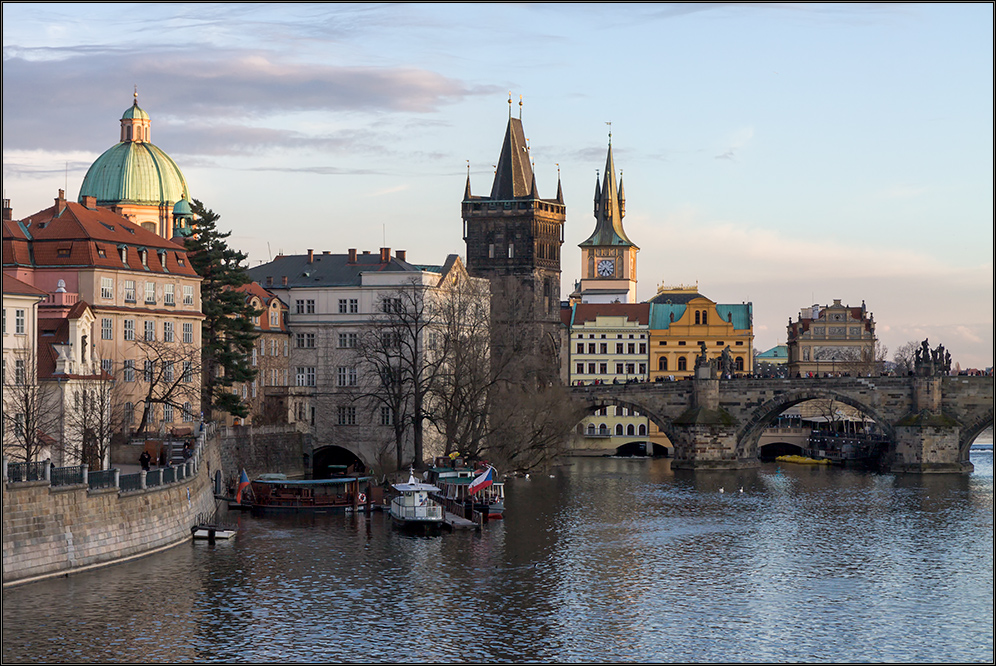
(413, 509)
(336, 495)
(475, 489)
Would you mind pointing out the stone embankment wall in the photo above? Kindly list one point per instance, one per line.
(59, 530)
(265, 449)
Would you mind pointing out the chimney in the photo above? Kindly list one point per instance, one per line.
(400, 254)
(60, 202)
(7, 211)
(385, 255)
(90, 202)
(311, 255)
(283, 280)
(352, 255)
(326, 251)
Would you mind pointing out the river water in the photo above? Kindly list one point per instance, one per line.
(618, 560)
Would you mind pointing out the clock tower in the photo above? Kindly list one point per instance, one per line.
(608, 257)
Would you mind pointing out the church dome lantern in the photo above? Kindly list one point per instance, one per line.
(136, 178)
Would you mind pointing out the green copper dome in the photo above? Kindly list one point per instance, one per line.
(135, 173)
(135, 112)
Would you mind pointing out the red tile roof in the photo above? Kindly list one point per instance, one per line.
(70, 234)
(585, 312)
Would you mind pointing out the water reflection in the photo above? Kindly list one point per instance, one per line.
(608, 560)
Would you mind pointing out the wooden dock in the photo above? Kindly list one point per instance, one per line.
(455, 522)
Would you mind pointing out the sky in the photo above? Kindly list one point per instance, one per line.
(781, 154)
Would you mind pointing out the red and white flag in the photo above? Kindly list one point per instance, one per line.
(481, 482)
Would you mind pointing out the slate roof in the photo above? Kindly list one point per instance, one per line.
(326, 270)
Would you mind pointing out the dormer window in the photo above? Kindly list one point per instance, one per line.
(124, 255)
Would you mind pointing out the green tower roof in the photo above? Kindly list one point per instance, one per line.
(135, 173)
(134, 112)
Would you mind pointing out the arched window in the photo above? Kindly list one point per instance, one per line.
(705, 315)
(740, 364)
(642, 430)
(127, 132)
(697, 318)
(619, 429)
(603, 429)
(682, 363)
(630, 430)
(662, 364)
(591, 428)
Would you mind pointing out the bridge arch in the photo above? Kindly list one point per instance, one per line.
(330, 458)
(765, 414)
(970, 431)
(594, 403)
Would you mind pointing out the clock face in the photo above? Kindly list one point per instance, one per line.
(606, 267)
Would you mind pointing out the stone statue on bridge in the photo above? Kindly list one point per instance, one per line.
(727, 366)
(932, 362)
(702, 359)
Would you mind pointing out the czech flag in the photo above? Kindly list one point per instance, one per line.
(481, 482)
(243, 484)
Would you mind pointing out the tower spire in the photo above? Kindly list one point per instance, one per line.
(609, 207)
(466, 190)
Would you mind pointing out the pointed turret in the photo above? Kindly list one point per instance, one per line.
(622, 197)
(533, 194)
(514, 174)
(560, 189)
(598, 195)
(608, 209)
(466, 190)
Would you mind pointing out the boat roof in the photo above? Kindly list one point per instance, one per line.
(312, 482)
(414, 485)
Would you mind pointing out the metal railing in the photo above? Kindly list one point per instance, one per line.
(68, 476)
(101, 479)
(27, 471)
(153, 478)
(129, 482)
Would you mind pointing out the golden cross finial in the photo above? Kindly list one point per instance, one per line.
(520, 107)
(509, 103)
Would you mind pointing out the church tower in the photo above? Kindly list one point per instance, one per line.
(513, 233)
(608, 257)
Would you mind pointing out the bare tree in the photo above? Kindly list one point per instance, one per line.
(903, 359)
(532, 425)
(170, 372)
(97, 409)
(30, 412)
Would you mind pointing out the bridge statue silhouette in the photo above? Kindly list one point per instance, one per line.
(714, 423)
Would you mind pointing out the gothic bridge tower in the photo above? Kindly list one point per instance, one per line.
(514, 236)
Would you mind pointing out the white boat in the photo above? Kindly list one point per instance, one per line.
(413, 508)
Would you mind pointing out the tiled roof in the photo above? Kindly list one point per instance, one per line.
(585, 312)
(83, 237)
(12, 285)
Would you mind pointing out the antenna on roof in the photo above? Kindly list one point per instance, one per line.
(268, 251)
(384, 233)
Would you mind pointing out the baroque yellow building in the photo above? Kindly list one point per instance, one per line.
(684, 324)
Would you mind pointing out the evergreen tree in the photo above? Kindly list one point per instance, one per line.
(227, 332)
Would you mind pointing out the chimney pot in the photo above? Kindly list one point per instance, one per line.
(352, 255)
(385, 255)
(311, 255)
(401, 254)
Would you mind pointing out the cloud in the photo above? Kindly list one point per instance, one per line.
(198, 87)
(738, 141)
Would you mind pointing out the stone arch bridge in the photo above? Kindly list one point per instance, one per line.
(716, 424)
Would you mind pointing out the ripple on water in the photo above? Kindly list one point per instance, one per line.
(610, 561)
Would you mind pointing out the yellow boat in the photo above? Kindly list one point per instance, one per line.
(801, 460)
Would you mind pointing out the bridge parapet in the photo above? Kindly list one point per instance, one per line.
(955, 410)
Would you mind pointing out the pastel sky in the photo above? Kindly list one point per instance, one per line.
(783, 154)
